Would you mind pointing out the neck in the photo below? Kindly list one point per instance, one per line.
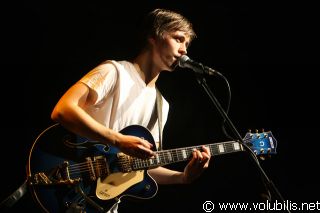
(147, 69)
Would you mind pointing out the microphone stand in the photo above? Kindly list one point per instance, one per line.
(269, 184)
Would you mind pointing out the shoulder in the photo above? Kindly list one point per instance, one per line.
(104, 73)
(109, 72)
(113, 64)
(106, 69)
(107, 66)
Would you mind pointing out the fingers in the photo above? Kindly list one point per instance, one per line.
(136, 147)
(143, 149)
(146, 147)
(206, 150)
(145, 143)
(202, 158)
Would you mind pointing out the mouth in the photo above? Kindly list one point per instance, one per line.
(175, 63)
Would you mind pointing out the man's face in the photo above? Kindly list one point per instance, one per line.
(170, 47)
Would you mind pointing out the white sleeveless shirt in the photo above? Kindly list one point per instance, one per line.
(123, 98)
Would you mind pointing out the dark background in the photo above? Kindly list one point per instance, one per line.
(268, 53)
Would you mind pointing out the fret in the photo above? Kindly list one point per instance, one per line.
(157, 159)
(184, 154)
(214, 149)
(144, 163)
(151, 162)
(175, 155)
(178, 155)
(236, 146)
(221, 148)
(228, 147)
(169, 157)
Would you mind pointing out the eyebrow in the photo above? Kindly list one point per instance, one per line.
(185, 37)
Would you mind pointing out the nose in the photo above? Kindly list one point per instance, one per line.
(183, 49)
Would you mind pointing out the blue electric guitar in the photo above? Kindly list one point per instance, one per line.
(67, 171)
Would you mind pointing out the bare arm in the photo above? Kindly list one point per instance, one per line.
(70, 113)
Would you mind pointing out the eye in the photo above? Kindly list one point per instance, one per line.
(179, 39)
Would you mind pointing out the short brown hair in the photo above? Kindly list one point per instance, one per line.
(159, 21)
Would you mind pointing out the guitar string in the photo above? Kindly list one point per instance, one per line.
(162, 155)
(227, 148)
(165, 156)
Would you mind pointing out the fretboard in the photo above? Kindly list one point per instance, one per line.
(170, 156)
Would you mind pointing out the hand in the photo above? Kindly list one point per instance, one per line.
(197, 165)
(135, 146)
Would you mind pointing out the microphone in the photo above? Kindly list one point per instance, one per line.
(185, 62)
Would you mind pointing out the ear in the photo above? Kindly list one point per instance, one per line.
(152, 41)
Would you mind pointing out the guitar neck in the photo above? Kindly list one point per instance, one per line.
(170, 156)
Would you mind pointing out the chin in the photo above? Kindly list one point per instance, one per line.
(173, 66)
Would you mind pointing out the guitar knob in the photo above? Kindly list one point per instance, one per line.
(147, 187)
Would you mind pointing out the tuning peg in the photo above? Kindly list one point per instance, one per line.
(249, 133)
(262, 130)
(257, 131)
(262, 156)
(258, 135)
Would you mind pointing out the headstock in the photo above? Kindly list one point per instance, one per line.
(263, 144)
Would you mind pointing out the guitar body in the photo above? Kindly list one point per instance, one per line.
(67, 171)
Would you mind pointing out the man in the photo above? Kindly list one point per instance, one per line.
(116, 94)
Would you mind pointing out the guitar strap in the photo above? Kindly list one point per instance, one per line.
(159, 112)
(14, 197)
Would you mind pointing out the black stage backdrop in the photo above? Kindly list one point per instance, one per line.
(268, 53)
